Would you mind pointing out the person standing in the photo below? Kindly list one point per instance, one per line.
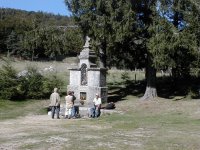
(97, 106)
(73, 107)
(55, 103)
(69, 105)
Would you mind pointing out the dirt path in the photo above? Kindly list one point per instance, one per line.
(17, 132)
(42, 132)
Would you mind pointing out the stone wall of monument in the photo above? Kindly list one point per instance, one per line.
(74, 77)
(94, 77)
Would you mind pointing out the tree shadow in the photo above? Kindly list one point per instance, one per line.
(169, 88)
(118, 93)
(166, 88)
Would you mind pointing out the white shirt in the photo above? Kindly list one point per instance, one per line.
(97, 101)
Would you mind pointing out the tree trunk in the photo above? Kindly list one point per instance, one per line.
(151, 91)
(8, 54)
(32, 55)
(102, 55)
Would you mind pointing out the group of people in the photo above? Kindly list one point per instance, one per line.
(71, 110)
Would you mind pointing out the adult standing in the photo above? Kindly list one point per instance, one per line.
(97, 106)
(69, 105)
(55, 103)
(73, 107)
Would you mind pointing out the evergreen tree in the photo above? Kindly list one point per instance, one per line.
(157, 31)
(12, 43)
(184, 35)
(107, 22)
(24, 34)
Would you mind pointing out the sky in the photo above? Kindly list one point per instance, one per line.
(48, 6)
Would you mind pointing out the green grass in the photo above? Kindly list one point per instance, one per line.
(114, 76)
(14, 109)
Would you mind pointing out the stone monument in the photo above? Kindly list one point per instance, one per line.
(88, 79)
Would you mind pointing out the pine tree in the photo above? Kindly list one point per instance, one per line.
(12, 43)
(157, 32)
(107, 22)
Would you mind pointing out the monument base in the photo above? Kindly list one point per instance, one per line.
(86, 94)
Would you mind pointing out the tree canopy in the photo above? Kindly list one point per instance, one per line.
(157, 34)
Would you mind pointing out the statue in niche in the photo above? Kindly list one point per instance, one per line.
(83, 74)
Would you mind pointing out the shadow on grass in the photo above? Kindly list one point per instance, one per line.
(166, 88)
(119, 92)
(169, 88)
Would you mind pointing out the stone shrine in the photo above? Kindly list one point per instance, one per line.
(88, 79)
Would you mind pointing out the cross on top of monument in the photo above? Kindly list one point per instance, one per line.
(87, 42)
(87, 56)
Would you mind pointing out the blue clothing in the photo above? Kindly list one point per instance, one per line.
(75, 111)
(94, 112)
(55, 109)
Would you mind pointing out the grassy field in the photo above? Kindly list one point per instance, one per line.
(139, 125)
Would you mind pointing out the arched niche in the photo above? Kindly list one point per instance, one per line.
(83, 74)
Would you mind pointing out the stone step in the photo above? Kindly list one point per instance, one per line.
(84, 111)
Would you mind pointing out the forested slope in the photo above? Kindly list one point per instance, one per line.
(32, 35)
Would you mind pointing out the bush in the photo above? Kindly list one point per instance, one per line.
(193, 92)
(49, 83)
(8, 81)
(38, 86)
(30, 85)
(125, 77)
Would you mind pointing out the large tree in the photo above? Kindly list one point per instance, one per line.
(107, 22)
(183, 17)
(156, 31)
(171, 43)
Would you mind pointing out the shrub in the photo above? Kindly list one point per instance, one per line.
(125, 77)
(8, 81)
(193, 92)
(30, 85)
(51, 81)
(37, 85)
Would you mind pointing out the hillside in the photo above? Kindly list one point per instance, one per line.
(33, 35)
